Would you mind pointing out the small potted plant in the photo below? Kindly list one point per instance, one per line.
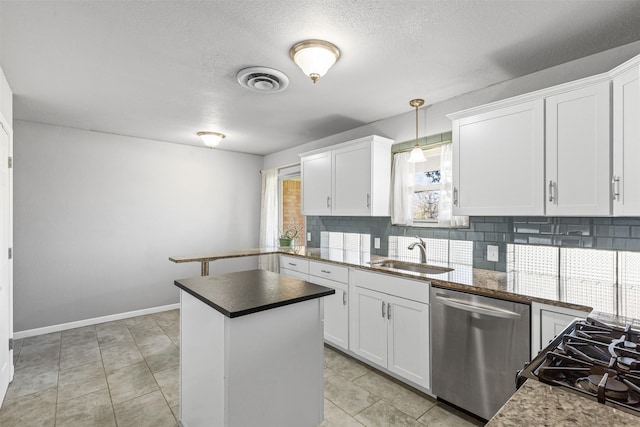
(289, 234)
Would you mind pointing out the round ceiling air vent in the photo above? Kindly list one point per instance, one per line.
(263, 79)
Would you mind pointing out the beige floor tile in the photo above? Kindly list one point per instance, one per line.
(77, 336)
(131, 382)
(336, 417)
(120, 355)
(85, 379)
(112, 333)
(51, 338)
(149, 410)
(33, 410)
(17, 346)
(32, 379)
(149, 340)
(175, 409)
(93, 409)
(141, 322)
(47, 353)
(169, 382)
(444, 416)
(409, 402)
(382, 414)
(163, 357)
(82, 353)
(344, 365)
(348, 396)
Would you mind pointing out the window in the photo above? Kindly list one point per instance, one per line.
(290, 204)
(426, 194)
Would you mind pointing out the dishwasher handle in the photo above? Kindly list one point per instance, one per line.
(462, 305)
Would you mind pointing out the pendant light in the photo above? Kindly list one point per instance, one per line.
(314, 57)
(417, 155)
(211, 139)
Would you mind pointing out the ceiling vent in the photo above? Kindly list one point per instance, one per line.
(263, 79)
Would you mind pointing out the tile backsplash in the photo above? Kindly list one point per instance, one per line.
(598, 233)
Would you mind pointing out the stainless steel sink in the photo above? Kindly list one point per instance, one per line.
(411, 266)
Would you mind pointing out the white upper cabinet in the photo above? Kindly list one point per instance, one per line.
(578, 151)
(349, 179)
(626, 139)
(549, 152)
(316, 184)
(498, 161)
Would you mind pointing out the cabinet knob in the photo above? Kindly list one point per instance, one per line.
(551, 186)
(328, 201)
(455, 196)
(344, 298)
(384, 305)
(368, 200)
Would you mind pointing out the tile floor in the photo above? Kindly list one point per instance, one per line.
(125, 373)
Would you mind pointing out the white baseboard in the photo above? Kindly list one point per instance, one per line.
(93, 321)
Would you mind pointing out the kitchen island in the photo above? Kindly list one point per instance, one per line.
(251, 350)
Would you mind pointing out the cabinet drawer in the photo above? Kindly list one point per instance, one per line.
(415, 290)
(295, 274)
(329, 271)
(294, 264)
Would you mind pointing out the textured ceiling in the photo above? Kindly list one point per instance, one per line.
(166, 70)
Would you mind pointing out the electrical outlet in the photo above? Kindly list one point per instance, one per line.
(492, 253)
(376, 243)
(308, 236)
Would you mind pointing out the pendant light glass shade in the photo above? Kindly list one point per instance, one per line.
(211, 139)
(417, 155)
(314, 57)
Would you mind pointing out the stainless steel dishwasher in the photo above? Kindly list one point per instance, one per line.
(477, 346)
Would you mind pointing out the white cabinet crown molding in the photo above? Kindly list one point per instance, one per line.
(370, 138)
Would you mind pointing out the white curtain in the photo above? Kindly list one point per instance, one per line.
(445, 207)
(403, 178)
(269, 219)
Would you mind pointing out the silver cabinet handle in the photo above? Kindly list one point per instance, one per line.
(368, 200)
(344, 298)
(383, 312)
(461, 305)
(325, 271)
(328, 201)
(550, 191)
(455, 196)
(616, 187)
(389, 310)
(292, 264)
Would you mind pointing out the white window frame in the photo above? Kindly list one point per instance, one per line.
(429, 153)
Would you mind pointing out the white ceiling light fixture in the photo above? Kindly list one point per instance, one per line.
(417, 155)
(314, 57)
(211, 139)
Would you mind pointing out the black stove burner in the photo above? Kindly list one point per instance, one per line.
(595, 359)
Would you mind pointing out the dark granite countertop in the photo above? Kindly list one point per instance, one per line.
(463, 277)
(246, 292)
(539, 404)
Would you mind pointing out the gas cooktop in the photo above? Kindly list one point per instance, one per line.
(596, 359)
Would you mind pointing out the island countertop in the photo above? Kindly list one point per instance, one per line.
(246, 292)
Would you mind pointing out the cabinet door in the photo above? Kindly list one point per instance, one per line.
(626, 144)
(369, 326)
(316, 184)
(551, 324)
(336, 312)
(498, 161)
(578, 152)
(352, 180)
(409, 340)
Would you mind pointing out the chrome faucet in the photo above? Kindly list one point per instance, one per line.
(423, 246)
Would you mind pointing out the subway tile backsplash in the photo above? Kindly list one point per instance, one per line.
(577, 232)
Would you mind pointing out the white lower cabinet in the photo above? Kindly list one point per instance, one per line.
(547, 321)
(336, 306)
(391, 332)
